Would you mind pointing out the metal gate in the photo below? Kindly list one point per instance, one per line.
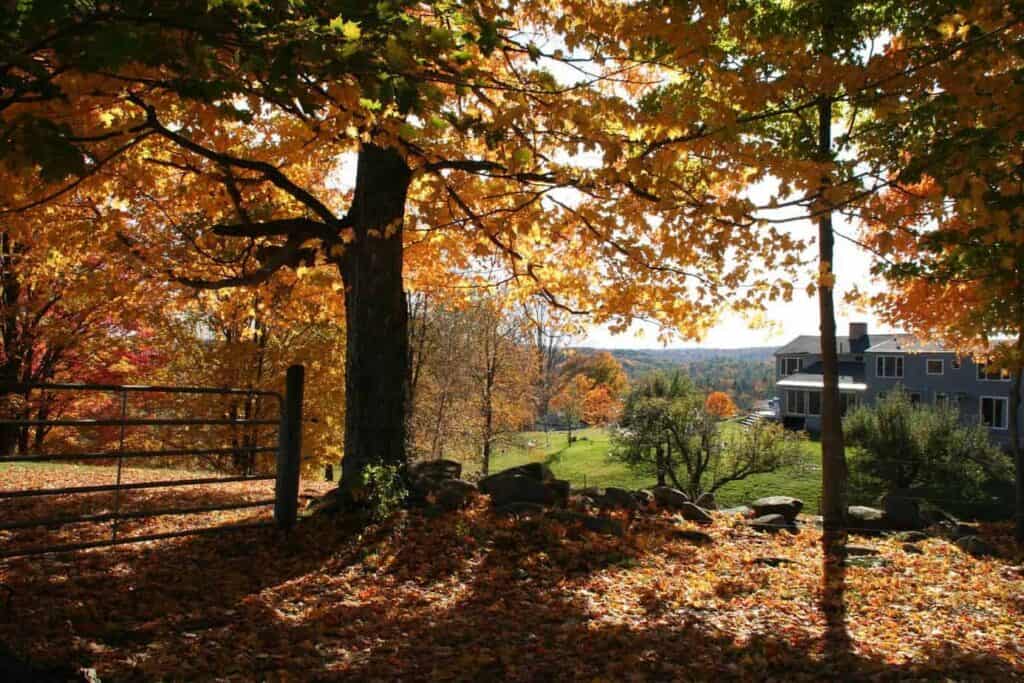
(287, 447)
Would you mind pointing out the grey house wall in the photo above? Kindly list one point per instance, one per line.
(961, 385)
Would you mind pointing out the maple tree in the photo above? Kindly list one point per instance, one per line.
(570, 401)
(472, 376)
(461, 130)
(720, 405)
(67, 312)
(949, 232)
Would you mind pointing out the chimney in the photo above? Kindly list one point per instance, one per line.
(858, 331)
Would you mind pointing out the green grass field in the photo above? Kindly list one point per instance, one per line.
(586, 463)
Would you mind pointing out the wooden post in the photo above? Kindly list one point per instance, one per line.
(286, 488)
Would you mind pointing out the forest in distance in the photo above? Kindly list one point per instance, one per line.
(745, 374)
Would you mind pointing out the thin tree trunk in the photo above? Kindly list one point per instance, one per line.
(659, 463)
(376, 317)
(1016, 447)
(10, 369)
(833, 456)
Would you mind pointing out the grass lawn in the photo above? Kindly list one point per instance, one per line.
(586, 463)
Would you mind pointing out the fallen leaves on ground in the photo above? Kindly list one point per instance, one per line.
(469, 596)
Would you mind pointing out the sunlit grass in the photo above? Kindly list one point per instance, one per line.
(586, 463)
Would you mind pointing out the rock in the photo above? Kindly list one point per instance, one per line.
(773, 561)
(931, 515)
(515, 488)
(520, 509)
(773, 524)
(1014, 572)
(425, 478)
(911, 536)
(598, 525)
(693, 536)
(644, 498)
(534, 470)
(581, 503)
(860, 551)
(559, 489)
(328, 503)
(973, 545)
(902, 510)
(668, 497)
(436, 470)
(706, 501)
(945, 529)
(964, 529)
(862, 518)
(621, 499)
(778, 505)
(455, 494)
(912, 549)
(740, 510)
(693, 513)
(868, 562)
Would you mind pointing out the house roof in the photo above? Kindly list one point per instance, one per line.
(905, 343)
(872, 343)
(851, 377)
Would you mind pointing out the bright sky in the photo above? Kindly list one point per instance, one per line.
(786, 319)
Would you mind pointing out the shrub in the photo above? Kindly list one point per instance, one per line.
(925, 449)
(385, 490)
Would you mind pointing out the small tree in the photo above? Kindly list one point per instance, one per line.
(667, 429)
(571, 400)
(922, 448)
(720, 405)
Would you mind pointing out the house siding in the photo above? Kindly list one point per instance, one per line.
(960, 384)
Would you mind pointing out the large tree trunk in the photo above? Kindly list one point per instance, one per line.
(376, 317)
(833, 456)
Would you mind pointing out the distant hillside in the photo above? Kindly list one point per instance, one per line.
(638, 362)
(746, 374)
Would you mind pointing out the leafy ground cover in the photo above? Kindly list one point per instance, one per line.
(586, 463)
(468, 596)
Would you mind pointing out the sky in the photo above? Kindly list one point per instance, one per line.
(786, 319)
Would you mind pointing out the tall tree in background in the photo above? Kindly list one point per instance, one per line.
(503, 370)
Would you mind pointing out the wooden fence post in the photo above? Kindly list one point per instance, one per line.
(286, 488)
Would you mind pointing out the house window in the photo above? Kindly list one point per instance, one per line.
(994, 411)
(993, 375)
(814, 403)
(791, 366)
(847, 402)
(890, 366)
(915, 398)
(803, 402)
(935, 366)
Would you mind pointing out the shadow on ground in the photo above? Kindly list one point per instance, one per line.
(462, 597)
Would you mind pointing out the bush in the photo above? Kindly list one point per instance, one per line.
(927, 450)
(384, 490)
